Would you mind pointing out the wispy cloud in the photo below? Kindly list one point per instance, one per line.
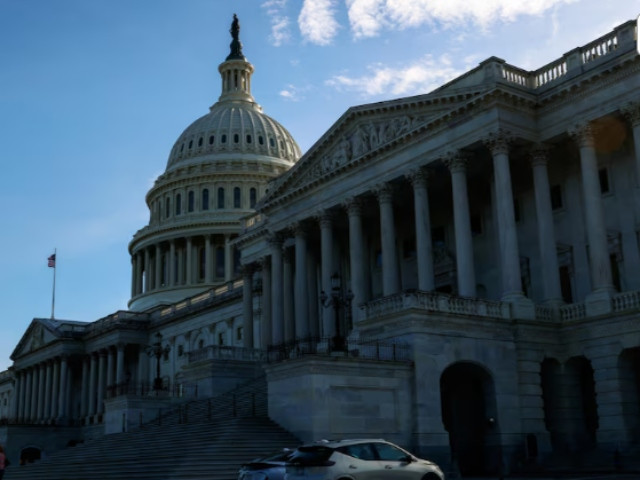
(280, 24)
(369, 17)
(421, 76)
(293, 93)
(317, 21)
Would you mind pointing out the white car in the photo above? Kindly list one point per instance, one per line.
(363, 459)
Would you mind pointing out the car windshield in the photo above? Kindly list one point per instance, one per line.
(311, 455)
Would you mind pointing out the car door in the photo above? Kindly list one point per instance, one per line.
(360, 462)
(394, 462)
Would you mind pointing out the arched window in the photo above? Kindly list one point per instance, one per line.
(236, 138)
(211, 139)
(190, 144)
(167, 210)
(191, 201)
(248, 138)
(272, 142)
(205, 199)
(224, 138)
(260, 140)
(200, 142)
(182, 147)
(237, 198)
(178, 204)
(220, 197)
(253, 197)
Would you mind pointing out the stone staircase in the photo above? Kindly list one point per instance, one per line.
(205, 439)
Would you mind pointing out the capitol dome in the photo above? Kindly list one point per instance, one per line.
(217, 171)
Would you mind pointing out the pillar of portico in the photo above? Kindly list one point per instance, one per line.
(228, 259)
(247, 306)
(390, 270)
(172, 264)
(277, 298)
(110, 367)
(632, 112)
(134, 271)
(180, 273)
(287, 296)
(158, 273)
(208, 254)
(457, 164)
(326, 269)
(139, 268)
(84, 388)
(33, 405)
(301, 298)
(55, 389)
(422, 219)
(598, 301)
(120, 363)
(146, 284)
(62, 390)
(546, 233)
(312, 289)
(17, 392)
(266, 325)
(189, 260)
(41, 384)
(47, 391)
(101, 381)
(498, 145)
(356, 256)
(93, 370)
(25, 406)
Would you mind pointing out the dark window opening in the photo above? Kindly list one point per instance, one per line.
(202, 263)
(190, 201)
(272, 142)
(211, 140)
(239, 333)
(205, 199)
(253, 197)
(248, 138)
(200, 140)
(167, 210)
(603, 175)
(237, 200)
(224, 138)
(190, 144)
(220, 262)
(615, 272)
(236, 138)
(220, 197)
(261, 140)
(178, 204)
(182, 147)
(565, 284)
(556, 197)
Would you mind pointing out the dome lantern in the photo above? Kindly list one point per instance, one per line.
(236, 71)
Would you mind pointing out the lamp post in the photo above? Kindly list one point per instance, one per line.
(338, 300)
(157, 350)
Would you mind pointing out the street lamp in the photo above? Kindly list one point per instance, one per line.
(158, 351)
(338, 300)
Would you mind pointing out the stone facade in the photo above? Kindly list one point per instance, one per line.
(458, 272)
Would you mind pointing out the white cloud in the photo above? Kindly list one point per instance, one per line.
(280, 25)
(317, 21)
(369, 17)
(293, 93)
(420, 77)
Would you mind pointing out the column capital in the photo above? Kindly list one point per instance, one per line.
(418, 177)
(353, 206)
(631, 111)
(539, 154)
(498, 141)
(265, 262)
(324, 218)
(456, 161)
(299, 228)
(275, 239)
(384, 192)
(583, 134)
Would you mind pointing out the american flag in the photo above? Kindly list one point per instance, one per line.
(51, 261)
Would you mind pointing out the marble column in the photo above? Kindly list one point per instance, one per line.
(41, 391)
(158, 277)
(247, 307)
(326, 269)
(632, 112)
(277, 297)
(266, 324)
(92, 384)
(55, 390)
(287, 296)
(424, 247)
(84, 389)
(62, 391)
(26, 404)
(601, 279)
(15, 401)
(120, 363)
(101, 382)
(189, 260)
(110, 367)
(139, 268)
(356, 256)
(47, 392)
(390, 269)
(457, 164)
(498, 145)
(301, 298)
(208, 254)
(33, 404)
(134, 270)
(228, 259)
(171, 267)
(147, 271)
(546, 232)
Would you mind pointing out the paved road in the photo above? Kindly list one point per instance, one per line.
(599, 476)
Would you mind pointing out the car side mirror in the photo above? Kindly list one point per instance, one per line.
(408, 459)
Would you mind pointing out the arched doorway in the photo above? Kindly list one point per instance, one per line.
(469, 415)
(29, 455)
(629, 372)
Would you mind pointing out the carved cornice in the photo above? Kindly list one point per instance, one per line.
(631, 111)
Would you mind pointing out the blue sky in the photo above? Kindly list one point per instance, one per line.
(94, 93)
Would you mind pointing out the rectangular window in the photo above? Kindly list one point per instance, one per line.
(239, 333)
(565, 284)
(556, 197)
(221, 338)
(603, 175)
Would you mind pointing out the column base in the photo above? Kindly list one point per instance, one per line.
(598, 302)
(521, 306)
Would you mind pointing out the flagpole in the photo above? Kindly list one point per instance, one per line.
(53, 297)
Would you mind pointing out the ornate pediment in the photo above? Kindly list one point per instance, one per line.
(38, 334)
(360, 133)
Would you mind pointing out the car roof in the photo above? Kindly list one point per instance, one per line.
(345, 442)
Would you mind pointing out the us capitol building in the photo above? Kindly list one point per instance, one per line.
(457, 272)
